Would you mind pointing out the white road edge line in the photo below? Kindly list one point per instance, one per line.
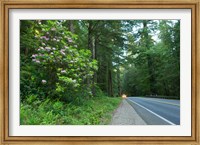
(153, 113)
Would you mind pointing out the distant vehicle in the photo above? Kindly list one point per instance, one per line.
(124, 96)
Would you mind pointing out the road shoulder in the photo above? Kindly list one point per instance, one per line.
(126, 115)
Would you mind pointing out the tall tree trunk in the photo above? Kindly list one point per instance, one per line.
(118, 82)
(118, 78)
(89, 35)
(110, 84)
(92, 48)
(93, 57)
(107, 80)
(149, 60)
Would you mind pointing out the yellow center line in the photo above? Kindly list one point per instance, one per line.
(162, 102)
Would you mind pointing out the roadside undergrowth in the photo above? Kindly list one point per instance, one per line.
(94, 111)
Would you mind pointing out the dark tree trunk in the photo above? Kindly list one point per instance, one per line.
(151, 73)
(118, 82)
(89, 35)
(110, 84)
(93, 57)
(149, 60)
(92, 47)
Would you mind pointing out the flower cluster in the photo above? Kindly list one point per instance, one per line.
(44, 81)
(58, 49)
(44, 37)
(62, 51)
(34, 58)
(69, 40)
(63, 71)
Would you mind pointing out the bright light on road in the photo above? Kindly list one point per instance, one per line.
(124, 96)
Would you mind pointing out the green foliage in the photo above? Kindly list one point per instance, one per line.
(68, 67)
(58, 68)
(55, 112)
(154, 67)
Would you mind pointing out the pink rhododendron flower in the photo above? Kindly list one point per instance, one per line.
(63, 71)
(70, 40)
(37, 61)
(44, 81)
(34, 55)
(48, 48)
(42, 37)
(62, 52)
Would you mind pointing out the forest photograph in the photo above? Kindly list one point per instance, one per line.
(81, 72)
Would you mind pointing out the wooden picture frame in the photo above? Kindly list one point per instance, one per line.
(116, 4)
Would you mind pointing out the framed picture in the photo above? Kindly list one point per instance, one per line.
(104, 72)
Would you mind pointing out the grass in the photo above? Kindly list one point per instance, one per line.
(95, 111)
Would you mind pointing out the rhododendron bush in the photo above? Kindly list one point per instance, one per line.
(59, 68)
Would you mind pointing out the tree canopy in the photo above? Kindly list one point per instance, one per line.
(72, 60)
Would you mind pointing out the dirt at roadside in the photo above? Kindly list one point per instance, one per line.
(126, 115)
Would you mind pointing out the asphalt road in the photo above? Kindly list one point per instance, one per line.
(157, 111)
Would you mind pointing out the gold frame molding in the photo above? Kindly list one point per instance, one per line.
(194, 139)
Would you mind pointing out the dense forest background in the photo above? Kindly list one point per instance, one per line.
(76, 60)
